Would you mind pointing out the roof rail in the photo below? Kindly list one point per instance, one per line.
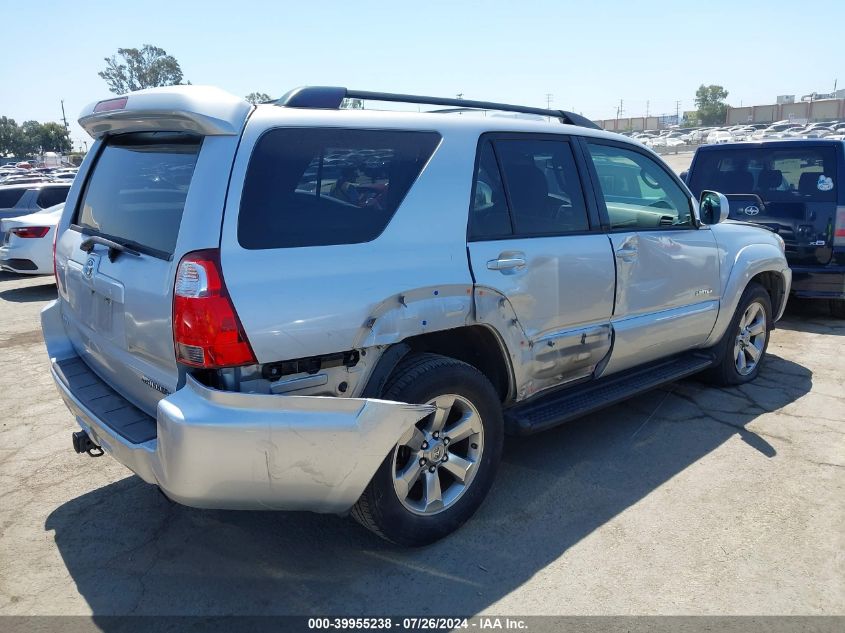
(331, 97)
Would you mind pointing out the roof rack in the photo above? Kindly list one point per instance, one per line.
(331, 97)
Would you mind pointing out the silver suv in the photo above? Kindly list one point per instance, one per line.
(299, 306)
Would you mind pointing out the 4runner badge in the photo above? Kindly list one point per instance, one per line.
(88, 268)
(154, 385)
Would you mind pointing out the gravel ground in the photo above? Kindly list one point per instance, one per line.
(686, 500)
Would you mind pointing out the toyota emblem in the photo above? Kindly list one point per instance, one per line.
(88, 269)
(751, 210)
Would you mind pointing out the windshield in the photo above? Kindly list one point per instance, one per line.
(138, 188)
(776, 175)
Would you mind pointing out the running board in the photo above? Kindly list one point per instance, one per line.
(547, 411)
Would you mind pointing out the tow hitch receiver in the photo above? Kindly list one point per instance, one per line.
(83, 444)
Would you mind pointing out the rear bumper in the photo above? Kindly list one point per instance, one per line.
(818, 282)
(215, 449)
(18, 265)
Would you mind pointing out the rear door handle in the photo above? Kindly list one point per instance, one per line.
(511, 262)
(627, 253)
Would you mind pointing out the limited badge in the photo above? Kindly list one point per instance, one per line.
(825, 183)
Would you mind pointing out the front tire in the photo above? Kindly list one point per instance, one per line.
(439, 473)
(746, 339)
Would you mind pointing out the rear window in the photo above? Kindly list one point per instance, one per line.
(51, 196)
(775, 174)
(10, 197)
(138, 188)
(317, 187)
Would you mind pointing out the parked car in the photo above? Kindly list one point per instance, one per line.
(22, 199)
(795, 188)
(28, 243)
(719, 136)
(775, 131)
(245, 331)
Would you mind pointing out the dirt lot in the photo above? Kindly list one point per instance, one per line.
(687, 500)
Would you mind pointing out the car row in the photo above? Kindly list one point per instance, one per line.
(676, 136)
(15, 174)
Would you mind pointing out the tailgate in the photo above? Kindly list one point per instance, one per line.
(144, 197)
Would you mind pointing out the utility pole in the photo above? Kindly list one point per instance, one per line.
(647, 103)
(64, 118)
(619, 111)
(677, 112)
(549, 99)
(460, 95)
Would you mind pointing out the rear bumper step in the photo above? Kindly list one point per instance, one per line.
(214, 449)
(819, 282)
(553, 409)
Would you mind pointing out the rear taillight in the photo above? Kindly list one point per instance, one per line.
(55, 270)
(30, 231)
(206, 330)
(839, 228)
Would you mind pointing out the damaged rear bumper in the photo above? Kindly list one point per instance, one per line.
(226, 450)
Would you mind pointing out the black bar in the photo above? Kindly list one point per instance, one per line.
(445, 101)
(331, 97)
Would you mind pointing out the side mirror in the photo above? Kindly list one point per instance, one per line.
(713, 207)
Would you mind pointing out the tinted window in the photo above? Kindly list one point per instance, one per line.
(489, 218)
(542, 184)
(50, 196)
(638, 192)
(776, 175)
(315, 187)
(138, 188)
(10, 197)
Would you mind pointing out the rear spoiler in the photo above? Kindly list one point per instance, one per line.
(201, 109)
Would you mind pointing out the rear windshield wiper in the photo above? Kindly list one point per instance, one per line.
(115, 248)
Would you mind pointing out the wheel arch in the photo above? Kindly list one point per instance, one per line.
(761, 263)
(477, 345)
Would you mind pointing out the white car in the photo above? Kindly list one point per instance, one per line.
(28, 243)
(719, 136)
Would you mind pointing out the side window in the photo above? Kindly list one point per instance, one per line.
(488, 218)
(50, 196)
(10, 197)
(316, 187)
(543, 188)
(638, 192)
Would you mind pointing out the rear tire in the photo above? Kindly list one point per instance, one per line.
(837, 308)
(441, 470)
(746, 339)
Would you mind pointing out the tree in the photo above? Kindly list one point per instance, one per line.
(30, 138)
(257, 97)
(11, 138)
(710, 101)
(148, 67)
(55, 138)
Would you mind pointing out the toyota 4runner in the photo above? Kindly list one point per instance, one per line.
(299, 306)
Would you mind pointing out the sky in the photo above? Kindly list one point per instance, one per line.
(588, 55)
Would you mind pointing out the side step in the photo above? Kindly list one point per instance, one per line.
(547, 411)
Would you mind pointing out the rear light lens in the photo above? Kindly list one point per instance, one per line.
(30, 231)
(206, 329)
(55, 269)
(839, 229)
(111, 104)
